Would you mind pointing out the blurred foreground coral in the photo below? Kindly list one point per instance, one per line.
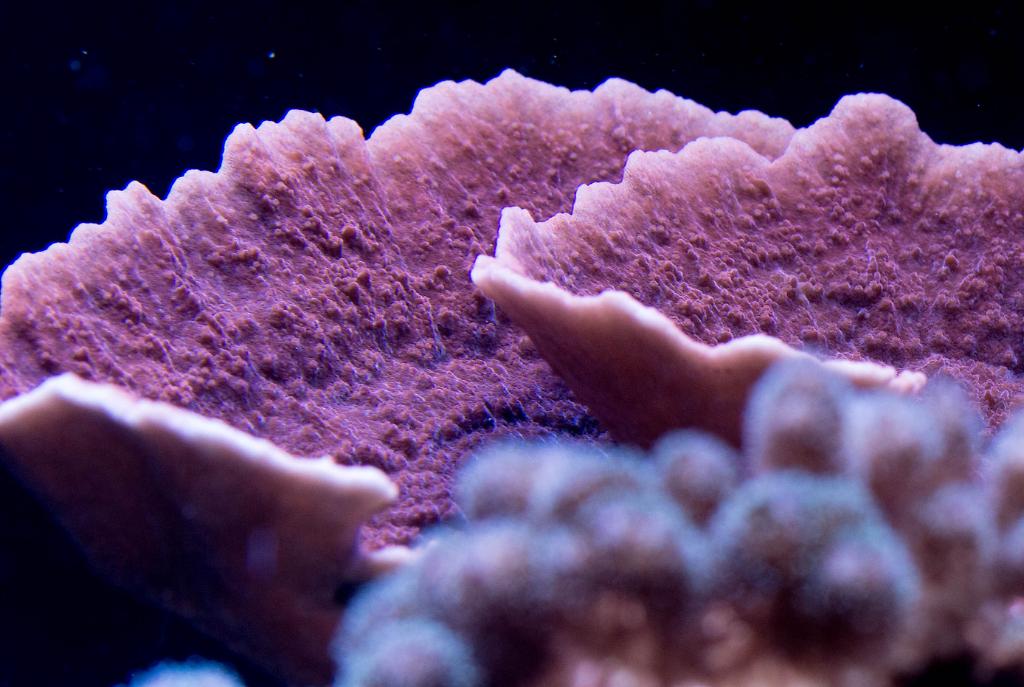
(187, 674)
(861, 537)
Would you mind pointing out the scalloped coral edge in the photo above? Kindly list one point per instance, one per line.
(245, 539)
(638, 372)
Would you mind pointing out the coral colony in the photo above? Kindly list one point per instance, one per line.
(580, 414)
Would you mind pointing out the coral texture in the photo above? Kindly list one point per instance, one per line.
(246, 540)
(864, 240)
(313, 292)
(803, 563)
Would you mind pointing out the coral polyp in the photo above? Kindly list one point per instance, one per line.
(797, 564)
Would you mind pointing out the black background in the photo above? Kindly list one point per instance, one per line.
(95, 96)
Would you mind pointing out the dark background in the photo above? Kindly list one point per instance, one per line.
(95, 96)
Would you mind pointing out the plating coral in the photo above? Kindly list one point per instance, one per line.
(313, 292)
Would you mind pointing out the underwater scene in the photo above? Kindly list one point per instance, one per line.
(533, 386)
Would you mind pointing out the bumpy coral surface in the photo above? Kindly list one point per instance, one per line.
(249, 542)
(862, 538)
(864, 240)
(314, 291)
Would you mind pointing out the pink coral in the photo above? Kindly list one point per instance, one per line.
(863, 239)
(314, 292)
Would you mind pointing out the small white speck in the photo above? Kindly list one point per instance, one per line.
(271, 55)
